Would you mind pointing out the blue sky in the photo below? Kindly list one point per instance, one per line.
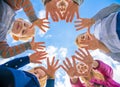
(60, 38)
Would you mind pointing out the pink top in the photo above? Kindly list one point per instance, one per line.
(107, 71)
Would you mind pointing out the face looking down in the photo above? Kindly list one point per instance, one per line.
(22, 29)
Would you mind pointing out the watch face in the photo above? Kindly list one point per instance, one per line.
(62, 6)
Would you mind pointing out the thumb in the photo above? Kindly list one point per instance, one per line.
(33, 39)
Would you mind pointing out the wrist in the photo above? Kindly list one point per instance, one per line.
(74, 80)
(95, 64)
(92, 21)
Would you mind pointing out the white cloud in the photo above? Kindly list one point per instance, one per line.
(42, 14)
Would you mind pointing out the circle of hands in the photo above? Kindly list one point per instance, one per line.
(65, 10)
(74, 68)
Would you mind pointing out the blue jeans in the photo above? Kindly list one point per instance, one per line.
(118, 25)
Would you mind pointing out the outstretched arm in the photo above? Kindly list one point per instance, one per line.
(22, 61)
(107, 11)
(105, 69)
(6, 51)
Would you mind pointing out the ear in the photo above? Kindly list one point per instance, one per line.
(15, 37)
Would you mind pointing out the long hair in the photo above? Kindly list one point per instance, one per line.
(42, 81)
(93, 74)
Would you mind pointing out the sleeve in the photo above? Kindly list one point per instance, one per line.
(115, 56)
(50, 83)
(17, 62)
(77, 84)
(105, 69)
(107, 11)
(6, 51)
(29, 10)
(79, 2)
(46, 1)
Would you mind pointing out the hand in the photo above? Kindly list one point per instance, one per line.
(85, 58)
(51, 68)
(71, 70)
(71, 10)
(35, 57)
(53, 10)
(92, 43)
(37, 45)
(84, 23)
(41, 23)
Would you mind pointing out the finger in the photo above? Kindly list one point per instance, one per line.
(39, 42)
(33, 39)
(56, 17)
(56, 63)
(41, 58)
(43, 54)
(78, 53)
(45, 26)
(70, 65)
(74, 64)
(37, 62)
(57, 68)
(41, 46)
(78, 21)
(52, 16)
(67, 66)
(45, 22)
(75, 57)
(53, 60)
(42, 29)
(72, 16)
(78, 25)
(87, 51)
(77, 14)
(80, 28)
(48, 62)
(58, 12)
(47, 14)
(68, 17)
(64, 68)
(84, 54)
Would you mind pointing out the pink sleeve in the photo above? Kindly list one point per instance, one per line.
(105, 69)
(77, 84)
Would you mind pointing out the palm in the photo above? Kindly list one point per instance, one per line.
(83, 23)
(52, 9)
(42, 24)
(72, 9)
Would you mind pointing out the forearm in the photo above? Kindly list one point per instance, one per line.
(17, 62)
(105, 69)
(106, 11)
(29, 10)
(103, 48)
(6, 51)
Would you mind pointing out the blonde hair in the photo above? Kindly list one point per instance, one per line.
(41, 81)
(24, 39)
(93, 74)
(76, 40)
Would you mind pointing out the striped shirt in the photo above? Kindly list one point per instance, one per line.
(6, 19)
(26, 5)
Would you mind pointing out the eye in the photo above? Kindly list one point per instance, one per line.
(26, 25)
(35, 72)
(24, 31)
